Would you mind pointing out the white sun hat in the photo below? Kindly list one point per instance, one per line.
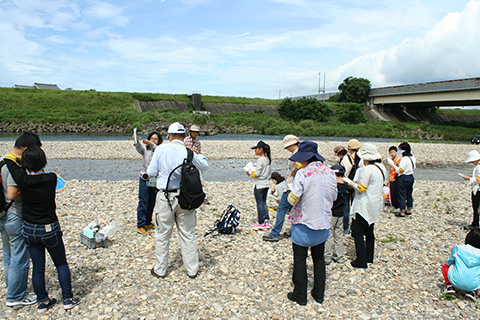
(473, 155)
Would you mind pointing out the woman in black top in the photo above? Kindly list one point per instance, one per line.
(41, 228)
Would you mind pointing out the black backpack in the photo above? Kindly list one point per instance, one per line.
(228, 222)
(3, 202)
(191, 192)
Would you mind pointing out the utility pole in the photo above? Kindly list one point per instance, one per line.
(320, 86)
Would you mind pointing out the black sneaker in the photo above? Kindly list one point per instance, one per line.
(69, 303)
(449, 289)
(291, 297)
(270, 238)
(471, 295)
(42, 307)
(153, 273)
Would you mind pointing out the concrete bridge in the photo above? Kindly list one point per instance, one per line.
(416, 101)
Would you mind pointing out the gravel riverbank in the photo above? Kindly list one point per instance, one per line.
(241, 276)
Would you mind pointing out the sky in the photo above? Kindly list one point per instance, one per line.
(243, 48)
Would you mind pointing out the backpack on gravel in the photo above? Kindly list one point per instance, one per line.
(228, 222)
(191, 192)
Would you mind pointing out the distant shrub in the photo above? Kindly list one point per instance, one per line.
(303, 109)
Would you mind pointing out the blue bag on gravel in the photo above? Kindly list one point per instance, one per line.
(228, 222)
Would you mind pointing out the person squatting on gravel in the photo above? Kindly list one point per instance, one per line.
(16, 260)
(261, 174)
(462, 270)
(168, 213)
(405, 179)
(280, 186)
(474, 182)
(146, 193)
(312, 195)
(41, 227)
(368, 203)
(290, 142)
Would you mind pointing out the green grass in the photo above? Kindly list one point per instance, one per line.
(117, 108)
(458, 111)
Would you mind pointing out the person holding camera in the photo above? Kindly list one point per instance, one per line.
(147, 190)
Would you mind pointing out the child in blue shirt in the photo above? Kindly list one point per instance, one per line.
(462, 270)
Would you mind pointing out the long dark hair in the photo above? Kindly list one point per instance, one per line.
(266, 149)
(34, 159)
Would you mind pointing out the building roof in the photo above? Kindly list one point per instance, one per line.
(46, 86)
(23, 87)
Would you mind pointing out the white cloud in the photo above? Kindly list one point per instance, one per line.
(448, 51)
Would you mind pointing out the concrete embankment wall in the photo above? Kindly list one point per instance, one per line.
(220, 108)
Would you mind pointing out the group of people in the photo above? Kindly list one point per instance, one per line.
(318, 199)
(30, 226)
(321, 200)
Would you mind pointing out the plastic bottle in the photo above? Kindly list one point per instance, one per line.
(107, 231)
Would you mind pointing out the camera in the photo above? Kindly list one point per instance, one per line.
(145, 176)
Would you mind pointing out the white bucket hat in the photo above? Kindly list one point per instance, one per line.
(473, 155)
(369, 152)
(175, 128)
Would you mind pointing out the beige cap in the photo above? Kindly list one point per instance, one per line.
(353, 144)
(194, 127)
(290, 140)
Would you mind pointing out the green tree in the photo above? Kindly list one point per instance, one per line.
(354, 90)
(304, 109)
(350, 113)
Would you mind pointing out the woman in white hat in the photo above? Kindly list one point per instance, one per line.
(474, 182)
(368, 203)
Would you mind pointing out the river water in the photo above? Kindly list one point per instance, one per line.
(220, 170)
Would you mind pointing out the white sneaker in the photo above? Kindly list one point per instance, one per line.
(26, 301)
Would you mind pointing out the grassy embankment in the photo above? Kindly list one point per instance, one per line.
(116, 108)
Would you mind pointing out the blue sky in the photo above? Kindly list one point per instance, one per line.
(246, 48)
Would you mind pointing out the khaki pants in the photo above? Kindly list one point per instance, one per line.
(334, 246)
(185, 220)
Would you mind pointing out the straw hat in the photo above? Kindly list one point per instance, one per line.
(353, 144)
(195, 128)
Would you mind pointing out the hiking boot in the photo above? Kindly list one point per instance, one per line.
(143, 230)
(149, 226)
(42, 306)
(346, 232)
(69, 303)
(27, 300)
(449, 289)
(270, 238)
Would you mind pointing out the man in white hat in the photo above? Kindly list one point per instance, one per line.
(168, 212)
(290, 143)
(192, 142)
(474, 181)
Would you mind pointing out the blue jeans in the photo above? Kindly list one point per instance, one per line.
(283, 207)
(146, 203)
(262, 208)
(404, 191)
(39, 238)
(16, 260)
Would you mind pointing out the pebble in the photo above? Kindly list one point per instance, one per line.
(241, 276)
